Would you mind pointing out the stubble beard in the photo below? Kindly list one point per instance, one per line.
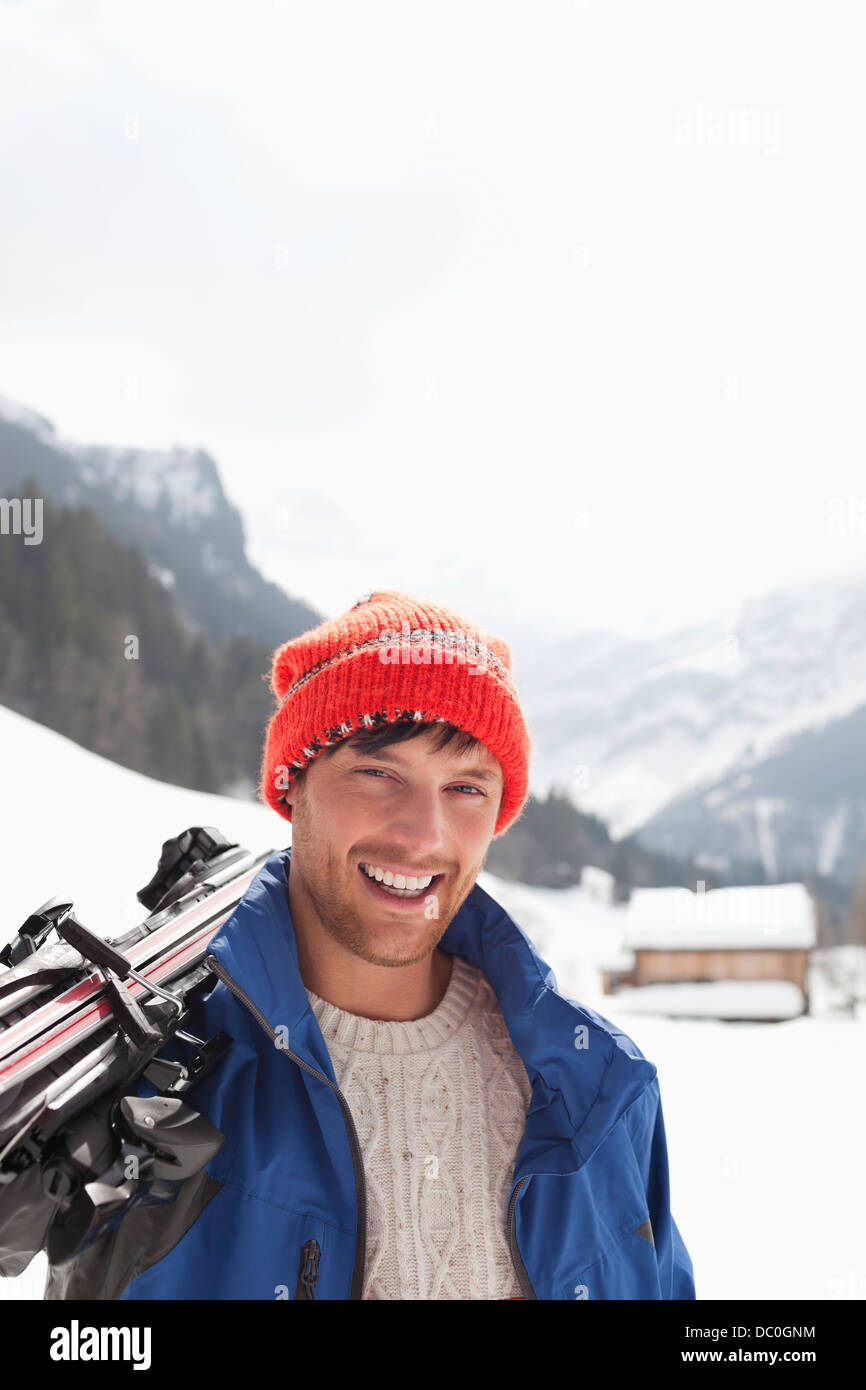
(328, 888)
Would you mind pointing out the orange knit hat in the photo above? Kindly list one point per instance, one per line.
(393, 657)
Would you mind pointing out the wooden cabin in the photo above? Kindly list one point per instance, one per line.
(673, 936)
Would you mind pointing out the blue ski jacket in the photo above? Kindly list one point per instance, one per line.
(280, 1211)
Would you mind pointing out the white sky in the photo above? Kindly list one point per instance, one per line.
(552, 312)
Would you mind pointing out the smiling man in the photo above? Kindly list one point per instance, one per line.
(388, 839)
(410, 1108)
(391, 824)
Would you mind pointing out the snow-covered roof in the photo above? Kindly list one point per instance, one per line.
(765, 915)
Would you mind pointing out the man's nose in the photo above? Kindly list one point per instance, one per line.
(418, 822)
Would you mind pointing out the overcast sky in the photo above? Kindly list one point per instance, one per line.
(551, 311)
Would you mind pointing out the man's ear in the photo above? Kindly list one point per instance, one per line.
(294, 790)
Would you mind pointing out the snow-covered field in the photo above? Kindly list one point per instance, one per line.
(766, 1123)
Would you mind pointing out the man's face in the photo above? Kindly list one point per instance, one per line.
(406, 808)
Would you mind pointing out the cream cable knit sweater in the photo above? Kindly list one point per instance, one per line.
(440, 1105)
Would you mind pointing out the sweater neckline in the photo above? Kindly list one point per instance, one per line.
(418, 1035)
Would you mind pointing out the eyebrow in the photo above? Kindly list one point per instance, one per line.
(385, 756)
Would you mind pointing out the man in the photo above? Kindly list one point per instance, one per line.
(410, 1108)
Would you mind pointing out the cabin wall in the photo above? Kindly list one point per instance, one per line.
(667, 967)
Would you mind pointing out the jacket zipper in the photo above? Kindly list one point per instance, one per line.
(308, 1273)
(357, 1162)
(516, 1258)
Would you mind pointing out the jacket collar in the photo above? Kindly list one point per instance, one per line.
(584, 1072)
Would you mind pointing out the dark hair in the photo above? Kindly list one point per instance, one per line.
(371, 740)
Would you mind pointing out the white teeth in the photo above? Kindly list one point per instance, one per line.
(397, 880)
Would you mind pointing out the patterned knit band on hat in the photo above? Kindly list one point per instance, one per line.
(393, 657)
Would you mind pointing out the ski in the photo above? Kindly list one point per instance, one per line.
(82, 1019)
(76, 1012)
(89, 1015)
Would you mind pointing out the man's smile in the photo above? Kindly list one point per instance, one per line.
(386, 884)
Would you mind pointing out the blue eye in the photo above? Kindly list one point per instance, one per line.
(376, 771)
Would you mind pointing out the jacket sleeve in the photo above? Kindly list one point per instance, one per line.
(647, 1131)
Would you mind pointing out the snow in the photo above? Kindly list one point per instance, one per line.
(598, 883)
(152, 475)
(765, 808)
(100, 827)
(185, 477)
(628, 794)
(831, 840)
(18, 414)
(729, 999)
(773, 915)
(786, 663)
(163, 576)
(765, 1123)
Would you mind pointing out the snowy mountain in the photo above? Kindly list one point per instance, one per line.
(172, 505)
(803, 806)
(703, 739)
(28, 419)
